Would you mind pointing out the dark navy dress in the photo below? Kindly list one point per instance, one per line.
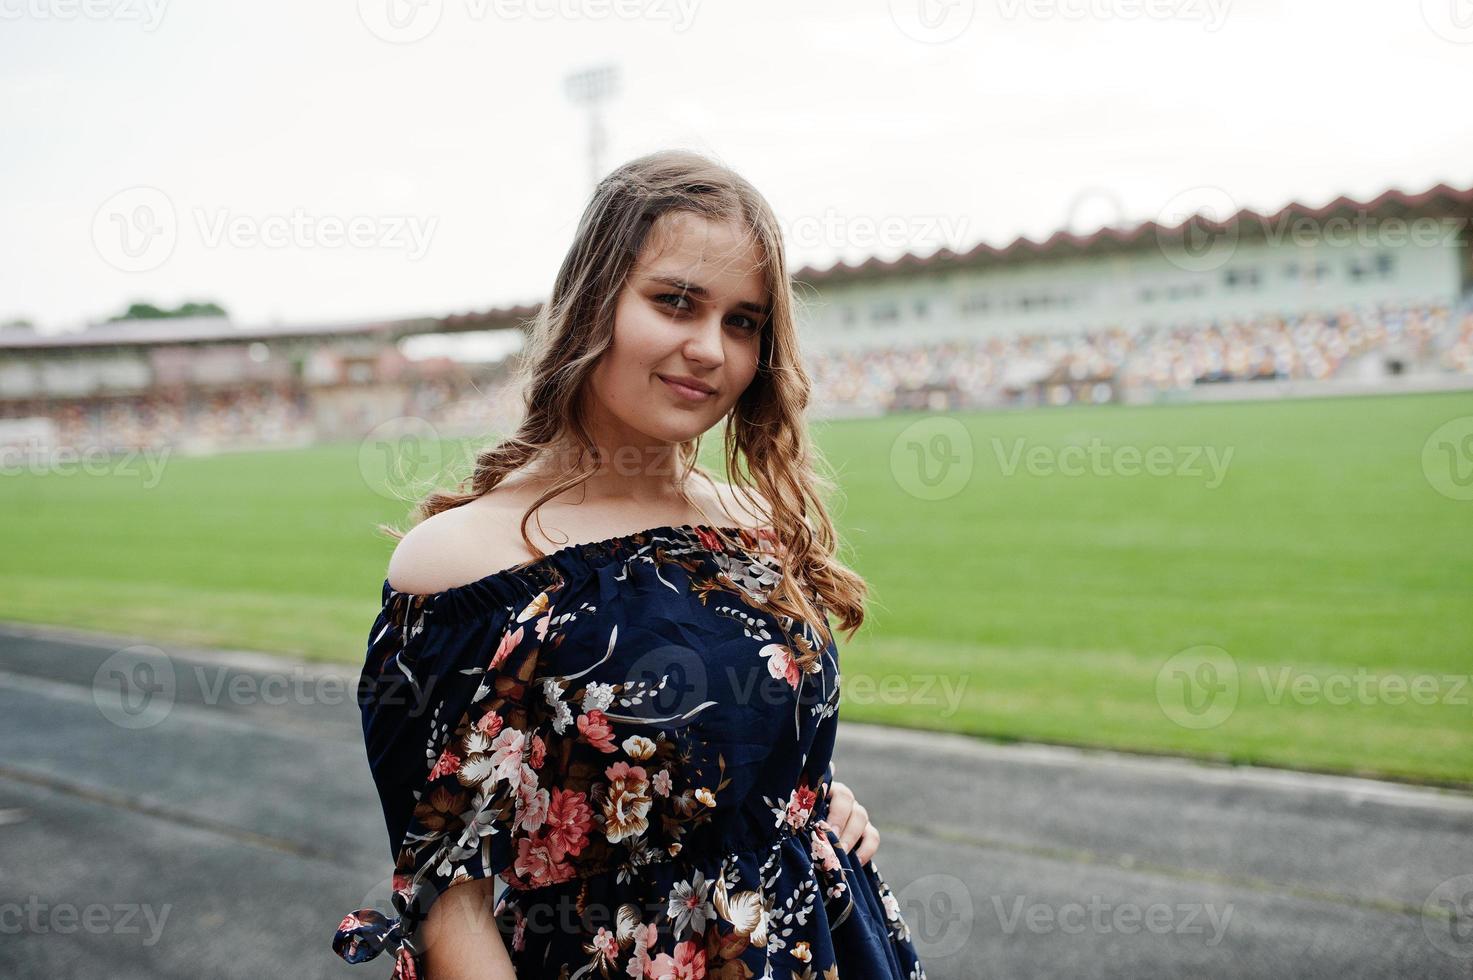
(620, 731)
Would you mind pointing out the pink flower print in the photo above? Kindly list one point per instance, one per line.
(568, 820)
(532, 810)
(644, 939)
(780, 663)
(507, 644)
(535, 864)
(596, 731)
(506, 753)
(637, 964)
(448, 763)
(823, 851)
(689, 963)
(606, 944)
(800, 805)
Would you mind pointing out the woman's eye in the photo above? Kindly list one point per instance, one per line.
(674, 302)
(666, 299)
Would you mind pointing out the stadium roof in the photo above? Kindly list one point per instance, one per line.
(1146, 234)
(217, 330)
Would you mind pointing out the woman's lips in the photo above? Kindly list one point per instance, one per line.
(685, 391)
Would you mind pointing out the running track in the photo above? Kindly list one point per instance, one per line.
(228, 835)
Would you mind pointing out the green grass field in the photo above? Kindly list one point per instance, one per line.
(1029, 602)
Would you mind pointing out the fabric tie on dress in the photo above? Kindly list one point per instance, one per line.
(364, 933)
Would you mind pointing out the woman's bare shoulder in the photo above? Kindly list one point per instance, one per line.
(457, 546)
(744, 508)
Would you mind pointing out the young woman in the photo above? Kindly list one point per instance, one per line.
(631, 724)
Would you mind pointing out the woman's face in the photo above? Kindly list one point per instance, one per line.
(693, 310)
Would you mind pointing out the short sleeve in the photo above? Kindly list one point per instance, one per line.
(450, 743)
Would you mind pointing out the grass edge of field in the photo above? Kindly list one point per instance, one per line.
(850, 714)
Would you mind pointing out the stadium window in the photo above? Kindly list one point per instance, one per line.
(921, 309)
(1245, 278)
(1291, 271)
(1386, 265)
(976, 303)
(1146, 294)
(1357, 270)
(849, 316)
(884, 313)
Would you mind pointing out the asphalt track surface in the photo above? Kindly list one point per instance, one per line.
(224, 829)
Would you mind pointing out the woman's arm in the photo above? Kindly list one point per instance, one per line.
(461, 941)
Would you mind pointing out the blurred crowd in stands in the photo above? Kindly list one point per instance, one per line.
(1021, 369)
(255, 416)
(1102, 365)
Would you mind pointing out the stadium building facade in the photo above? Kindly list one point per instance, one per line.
(1397, 250)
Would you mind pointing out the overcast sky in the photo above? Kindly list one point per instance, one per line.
(326, 161)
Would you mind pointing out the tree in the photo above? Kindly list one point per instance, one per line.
(147, 311)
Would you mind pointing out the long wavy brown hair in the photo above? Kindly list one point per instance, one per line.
(766, 443)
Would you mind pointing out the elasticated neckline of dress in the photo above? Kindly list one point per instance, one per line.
(517, 585)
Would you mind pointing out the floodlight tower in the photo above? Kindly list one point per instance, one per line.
(591, 88)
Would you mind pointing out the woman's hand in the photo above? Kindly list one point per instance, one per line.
(852, 819)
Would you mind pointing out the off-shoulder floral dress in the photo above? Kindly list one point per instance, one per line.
(620, 730)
